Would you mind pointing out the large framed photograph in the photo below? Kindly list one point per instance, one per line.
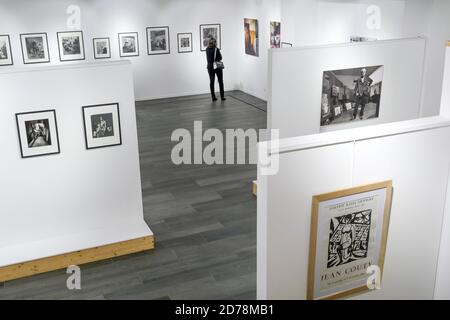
(251, 33)
(102, 126)
(6, 58)
(185, 43)
(34, 48)
(210, 31)
(129, 44)
(351, 95)
(38, 133)
(102, 48)
(349, 230)
(275, 34)
(158, 40)
(71, 46)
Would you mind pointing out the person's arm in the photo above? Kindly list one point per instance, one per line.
(219, 55)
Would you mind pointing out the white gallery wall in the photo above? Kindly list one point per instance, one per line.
(414, 154)
(78, 199)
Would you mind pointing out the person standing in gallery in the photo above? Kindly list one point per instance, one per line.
(213, 55)
(362, 93)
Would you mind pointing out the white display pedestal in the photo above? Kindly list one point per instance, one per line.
(79, 199)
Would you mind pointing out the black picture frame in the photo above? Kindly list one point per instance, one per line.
(53, 111)
(148, 29)
(59, 45)
(22, 35)
(178, 42)
(10, 51)
(109, 48)
(137, 42)
(201, 35)
(84, 108)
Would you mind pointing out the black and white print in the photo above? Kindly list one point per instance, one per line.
(208, 32)
(34, 48)
(71, 46)
(102, 125)
(102, 48)
(129, 44)
(185, 42)
(351, 95)
(349, 238)
(38, 133)
(158, 40)
(5, 51)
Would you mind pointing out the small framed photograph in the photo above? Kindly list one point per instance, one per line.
(71, 46)
(34, 48)
(129, 44)
(210, 31)
(102, 48)
(185, 42)
(349, 230)
(102, 126)
(38, 133)
(158, 40)
(6, 58)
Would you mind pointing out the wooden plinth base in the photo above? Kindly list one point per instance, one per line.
(255, 188)
(63, 261)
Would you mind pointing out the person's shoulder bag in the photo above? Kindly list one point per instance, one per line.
(218, 64)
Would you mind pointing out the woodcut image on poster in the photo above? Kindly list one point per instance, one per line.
(348, 235)
(351, 95)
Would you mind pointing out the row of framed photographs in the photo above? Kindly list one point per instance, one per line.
(38, 130)
(35, 47)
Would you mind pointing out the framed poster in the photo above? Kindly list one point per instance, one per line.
(361, 87)
(34, 48)
(158, 40)
(38, 133)
(275, 34)
(185, 42)
(71, 45)
(129, 44)
(210, 31)
(251, 34)
(102, 126)
(6, 58)
(102, 48)
(349, 231)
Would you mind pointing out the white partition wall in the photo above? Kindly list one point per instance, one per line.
(414, 154)
(296, 74)
(80, 198)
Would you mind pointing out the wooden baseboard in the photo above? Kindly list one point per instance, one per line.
(255, 188)
(78, 258)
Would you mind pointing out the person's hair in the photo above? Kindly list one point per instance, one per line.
(212, 43)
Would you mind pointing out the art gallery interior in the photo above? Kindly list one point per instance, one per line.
(119, 168)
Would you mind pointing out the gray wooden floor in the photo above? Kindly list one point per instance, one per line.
(204, 217)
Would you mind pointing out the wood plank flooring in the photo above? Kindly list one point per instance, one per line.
(204, 217)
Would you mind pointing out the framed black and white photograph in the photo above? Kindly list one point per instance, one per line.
(6, 58)
(35, 48)
(71, 46)
(185, 42)
(349, 230)
(38, 133)
(210, 31)
(129, 44)
(351, 95)
(102, 48)
(158, 40)
(102, 126)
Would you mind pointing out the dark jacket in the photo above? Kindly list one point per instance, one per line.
(210, 57)
(362, 87)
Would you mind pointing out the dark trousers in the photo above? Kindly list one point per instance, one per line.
(360, 101)
(212, 80)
